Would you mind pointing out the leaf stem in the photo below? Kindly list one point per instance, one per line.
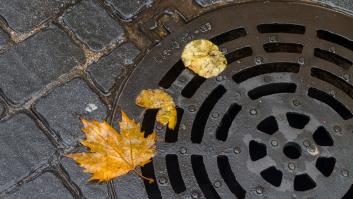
(150, 180)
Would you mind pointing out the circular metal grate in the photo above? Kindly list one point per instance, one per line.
(276, 124)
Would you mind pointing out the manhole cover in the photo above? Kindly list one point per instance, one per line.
(276, 124)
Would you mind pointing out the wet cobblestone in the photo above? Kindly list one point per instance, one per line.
(63, 107)
(113, 66)
(31, 65)
(23, 16)
(22, 146)
(93, 25)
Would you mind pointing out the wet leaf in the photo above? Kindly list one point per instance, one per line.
(204, 58)
(113, 154)
(158, 99)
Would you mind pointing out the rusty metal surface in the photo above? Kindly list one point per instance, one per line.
(290, 65)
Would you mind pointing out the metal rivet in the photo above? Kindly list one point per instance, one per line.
(332, 93)
(274, 143)
(195, 194)
(162, 180)
(215, 115)
(236, 150)
(219, 78)
(332, 49)
(159, 126)
(306, 143)
(301, 60)
(183, 150)
(258, 60)
(192, 108)
(182, 79)
(253, 112)
(224, 50)
(296, 102)
(291, 166)
(267, 79)
(345, 173)
(217, 184)
(259, 190)
(346, 77)
(337, 129)
(272, 38)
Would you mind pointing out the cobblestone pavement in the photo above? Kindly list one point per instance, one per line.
(60, 59)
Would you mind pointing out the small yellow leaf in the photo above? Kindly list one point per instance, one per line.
(114, 154)
(158, 99)
(204, 58)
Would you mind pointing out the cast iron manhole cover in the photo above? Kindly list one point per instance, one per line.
(276, 124)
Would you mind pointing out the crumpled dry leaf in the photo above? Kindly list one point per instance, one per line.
(114, 154)
(204, 58)
(158, 99)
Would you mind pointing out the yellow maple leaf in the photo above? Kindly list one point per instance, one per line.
(204, 58)
(158, 99)
(114, 154)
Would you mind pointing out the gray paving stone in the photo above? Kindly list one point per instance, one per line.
(112, 67)
(128, 9)
(23, 16)
(3, 38)
(93, 25)
(31, 65)
(46, 186)
(89, 190)
(22, 147)
(62, 107)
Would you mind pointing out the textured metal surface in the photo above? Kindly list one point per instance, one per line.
(276, 124)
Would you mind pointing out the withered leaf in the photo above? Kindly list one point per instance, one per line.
(158, 99)
(204, 58)
(113, 154)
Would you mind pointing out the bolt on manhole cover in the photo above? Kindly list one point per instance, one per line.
(275, 124)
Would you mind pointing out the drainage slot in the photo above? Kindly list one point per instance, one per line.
(337, 106)
(229, 36)
(201, 176)
(279, 67)
(257, 150)
(271, 89)
(268, 125)
(334, 80)
(229, 178)
(202, 115)
(297, 120)
(334, 38)
(238, 54)
(322, 137)
(148, 170)
(283, 47)
(172, 75)
(172, 135)
(333, 58)
(149, 119)
(152, 189)
(190, 89)
(303, 183)
(272, 176)
(281, 28)
(325, 165)
(175, 178)
(223, 128)
(292, 150)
